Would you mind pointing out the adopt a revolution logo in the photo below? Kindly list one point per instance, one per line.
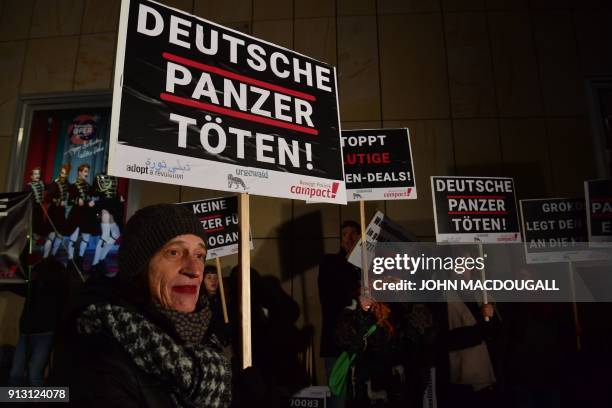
(315, 189)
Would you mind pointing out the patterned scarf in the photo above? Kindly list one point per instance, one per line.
(190, 327)
(199, 375)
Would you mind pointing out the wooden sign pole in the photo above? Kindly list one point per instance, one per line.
(245, 280)
(222, 291)
(364, 249)
(485, 296)
(574, 304)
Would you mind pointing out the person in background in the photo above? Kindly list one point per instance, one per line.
(218, 327)
(38, 323)
(145, 344)
(338, 281)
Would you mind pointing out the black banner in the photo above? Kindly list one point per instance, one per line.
(378, 164)
(213, 101)
(471, 209)
(598, 195)
(15, 220)
(553, 226)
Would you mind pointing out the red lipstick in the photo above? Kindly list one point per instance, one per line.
(186, 289)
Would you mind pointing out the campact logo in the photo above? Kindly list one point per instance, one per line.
(311, 190)
(399, 193)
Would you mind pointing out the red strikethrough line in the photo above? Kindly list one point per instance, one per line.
(478, 212)
(208, 217)
(215, 230)
(241, 78)
(476, 196)
(236, 114)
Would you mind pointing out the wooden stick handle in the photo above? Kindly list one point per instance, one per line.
(364, 250)
(483, 277)
(220, 277)
(574, 305)
(245, 281)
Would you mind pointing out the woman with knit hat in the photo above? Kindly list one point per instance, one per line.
(143, 343)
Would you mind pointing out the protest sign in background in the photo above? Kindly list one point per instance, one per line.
(475, 209)
(201, 105)
(555, 230)
(598, 194)
(378, 164)
(15, 220)
(219, 217)
(380, 229)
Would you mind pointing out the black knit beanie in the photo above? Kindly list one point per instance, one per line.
(148, 230)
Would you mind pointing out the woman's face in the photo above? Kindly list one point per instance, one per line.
(211, 282)
(176, 272)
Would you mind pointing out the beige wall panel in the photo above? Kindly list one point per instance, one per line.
(315, 8)
(590, 4)
(432, 152)
(11, 306)
(356, 7)
(358, 83)
(11, 66)
(155, 193)
(407, 6)
(507, 4)
(269, 216)
(562, 82)
(594, 33)
(95, 61)
(59, 17)
(472, 86)
(16, 18)
(526, 156)
(361, 125)
(50, 64)
(571, 153)
(413, 67)
(549, 4)
(477, 147)
(463, 5)
(326, 216)
(272, 9)
(222, 11)
(279, 32)
(316, 37)
(266, 258)
(101, 16)
(5, 148)
(514, 64)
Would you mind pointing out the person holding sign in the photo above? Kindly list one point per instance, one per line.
(146, 344)
(338, 282)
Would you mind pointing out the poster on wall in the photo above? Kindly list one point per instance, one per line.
(378, 164)
(78, 209)
(475, 209)
(198, 104)
(219, 218)
(15, 219)
(598, 194)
